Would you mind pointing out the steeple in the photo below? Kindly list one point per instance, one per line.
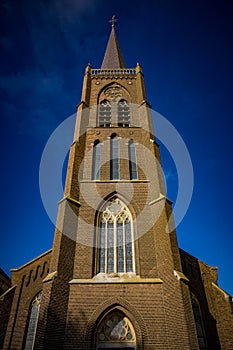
(113, 57)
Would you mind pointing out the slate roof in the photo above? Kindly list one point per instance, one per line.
(113, 57)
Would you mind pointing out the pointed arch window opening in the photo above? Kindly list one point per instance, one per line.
(105, 111)
(132, 161)
(114, 158)
(199, 323)
(96, 161)
(116, 331)
(33, 320)
(116, 248)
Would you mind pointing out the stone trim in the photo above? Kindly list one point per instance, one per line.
(50, 277)
(180, 276)
(6, 292)
(226, 295)
(115, 279)
(112, 181)
(70, 199)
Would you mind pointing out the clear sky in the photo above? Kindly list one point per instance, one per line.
(186, 50)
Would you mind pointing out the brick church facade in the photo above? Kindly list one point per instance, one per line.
(115, 277)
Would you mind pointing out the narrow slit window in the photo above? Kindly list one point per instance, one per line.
(114, 159)
(105, 114)
(96, 162)
(132, 161)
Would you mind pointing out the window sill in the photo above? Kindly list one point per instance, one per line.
(116, 278)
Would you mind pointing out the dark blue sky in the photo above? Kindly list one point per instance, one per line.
(186, 50)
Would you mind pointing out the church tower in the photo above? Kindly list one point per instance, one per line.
(115, 277)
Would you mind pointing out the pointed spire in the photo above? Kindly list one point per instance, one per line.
(113, 57)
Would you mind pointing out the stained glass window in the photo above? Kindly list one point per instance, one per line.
(116, 249)
(102, 246)
(33, 319)
(110, 248)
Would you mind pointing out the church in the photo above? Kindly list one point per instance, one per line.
(115, 277)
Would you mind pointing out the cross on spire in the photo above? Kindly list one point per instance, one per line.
(113, 57)
(113, 20)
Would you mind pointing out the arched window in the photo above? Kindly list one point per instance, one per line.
(116, 249)
(105, 113)
(132, 161)
(114, 158)
(123, 113)
(96, 161)
(116, 331)
(33, 319)
(199, 323)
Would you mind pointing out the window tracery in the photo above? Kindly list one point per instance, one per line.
(116, 329)
(113, 92)
(116, 249)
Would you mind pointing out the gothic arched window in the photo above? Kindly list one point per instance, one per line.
(33, 319)
(199, 323)
(96, 161)
(116, 331)
(116, 249)
(123, 113)
(114, 158)
(105, 113)
(132, 161)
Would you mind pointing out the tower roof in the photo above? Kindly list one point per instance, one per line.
(113, 57)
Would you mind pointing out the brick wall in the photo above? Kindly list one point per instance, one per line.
(28, 282)
(215, 304)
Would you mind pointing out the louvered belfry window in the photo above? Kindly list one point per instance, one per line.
(123, 113)
(105, 114)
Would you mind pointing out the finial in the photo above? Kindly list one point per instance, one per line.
(138, 68)
(113, 20)
(88, 68)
